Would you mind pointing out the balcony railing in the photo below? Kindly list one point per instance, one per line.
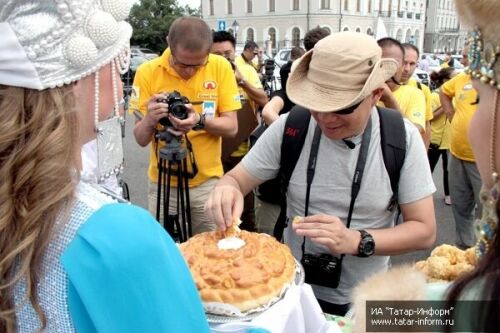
(449, 30)
(409, 15)
(401, 14)
(418, 16)
(384, 13)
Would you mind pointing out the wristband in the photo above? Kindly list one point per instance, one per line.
(200, 124)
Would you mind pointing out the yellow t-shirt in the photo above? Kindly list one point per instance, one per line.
(411, 102)
(440, 126)
(460, 89)
(252, 78)
(213, 85)
(428, 98)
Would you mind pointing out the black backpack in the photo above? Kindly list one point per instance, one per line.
(392, 140)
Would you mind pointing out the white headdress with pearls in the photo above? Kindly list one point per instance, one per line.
(37, 35)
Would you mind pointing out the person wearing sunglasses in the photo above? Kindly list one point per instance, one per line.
(208, 82)
(250, 52)
(340, 82)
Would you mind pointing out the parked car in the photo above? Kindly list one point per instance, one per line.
(434, 65)
(421, 76)
(282, 56)
(143, 52)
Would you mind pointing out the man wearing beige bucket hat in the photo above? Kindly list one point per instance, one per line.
(339, 81)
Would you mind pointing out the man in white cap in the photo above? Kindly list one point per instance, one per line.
(340, 82)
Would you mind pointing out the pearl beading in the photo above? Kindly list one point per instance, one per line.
(96, 99)
(85, 34)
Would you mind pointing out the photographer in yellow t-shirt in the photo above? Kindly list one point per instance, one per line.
(188, 67)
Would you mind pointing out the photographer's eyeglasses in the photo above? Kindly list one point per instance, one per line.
(348, 110)
(186, 66)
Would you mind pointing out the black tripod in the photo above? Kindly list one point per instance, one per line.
(172, 161)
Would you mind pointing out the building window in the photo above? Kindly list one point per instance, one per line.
(358, 6)
(369, 6)
(229, 6)
(369, 31)
(272, 36)
(211, 7)
(250, 34)
(295, 5)
(272, 5)
(249, 6)
(295, 36)
(325, 4)
(358, 29)
(346, 4)
(380, 6)
(327, 29)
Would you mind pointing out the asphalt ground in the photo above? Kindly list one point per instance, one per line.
(135, 175)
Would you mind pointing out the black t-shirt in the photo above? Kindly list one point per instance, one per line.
(284, 72)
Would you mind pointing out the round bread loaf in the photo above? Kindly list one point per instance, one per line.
(246, 278)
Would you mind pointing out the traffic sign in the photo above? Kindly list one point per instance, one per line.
(221, 25)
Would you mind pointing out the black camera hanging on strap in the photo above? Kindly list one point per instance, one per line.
(324, 269)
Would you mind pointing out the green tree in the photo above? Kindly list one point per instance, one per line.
(151, 20)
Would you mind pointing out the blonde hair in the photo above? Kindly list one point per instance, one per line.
(38, 147)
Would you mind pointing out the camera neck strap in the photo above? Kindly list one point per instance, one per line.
(358, 174)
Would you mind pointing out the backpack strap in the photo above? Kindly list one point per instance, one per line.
(393, 142)
(294, 136)
(419, 85)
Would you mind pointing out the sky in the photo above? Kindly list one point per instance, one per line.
(191, 3)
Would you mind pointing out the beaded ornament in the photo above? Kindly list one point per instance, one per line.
(109, 133)
(57, 42)
(483, 58)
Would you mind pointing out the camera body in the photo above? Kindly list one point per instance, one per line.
(176, 106)
(269, 67)
(322, 269)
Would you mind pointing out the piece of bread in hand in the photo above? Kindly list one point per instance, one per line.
(234, 230)
(297, 219)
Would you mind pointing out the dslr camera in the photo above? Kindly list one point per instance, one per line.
(322, 270)
(176, 106)
(269, 67)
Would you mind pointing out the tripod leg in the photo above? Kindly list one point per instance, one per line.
(174, 219)
(181, 210)
(161, 175)
(167, 220)
(188, 202)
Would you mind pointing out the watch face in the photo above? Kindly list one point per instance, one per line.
(369, 247)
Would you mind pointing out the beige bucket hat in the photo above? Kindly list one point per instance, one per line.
(340, 71)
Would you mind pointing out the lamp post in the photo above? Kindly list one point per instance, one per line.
(236, 27)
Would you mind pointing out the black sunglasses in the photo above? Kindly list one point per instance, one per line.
(349, 109)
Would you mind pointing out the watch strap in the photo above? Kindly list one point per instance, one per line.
(365, 238)
(201, 123)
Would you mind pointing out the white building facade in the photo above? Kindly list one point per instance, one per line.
(282, 23)
(443, 31)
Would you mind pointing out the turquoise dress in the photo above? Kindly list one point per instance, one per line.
(127, 275)
(111, 267)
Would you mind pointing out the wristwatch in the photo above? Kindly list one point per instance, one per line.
(366, 246)
(200, 124)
